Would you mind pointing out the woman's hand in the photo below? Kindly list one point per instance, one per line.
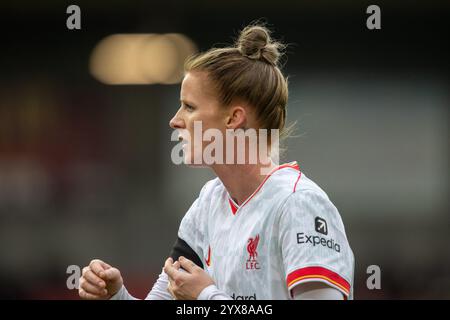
(186, 284)
(99, 281)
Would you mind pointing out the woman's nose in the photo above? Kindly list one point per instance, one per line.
(176, 122)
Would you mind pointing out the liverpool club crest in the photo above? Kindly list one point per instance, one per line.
(252, 246)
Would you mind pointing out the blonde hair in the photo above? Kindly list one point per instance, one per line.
(248, 70)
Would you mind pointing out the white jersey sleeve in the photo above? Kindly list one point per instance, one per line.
(158, 292)
(313, 242)
(193, 227)
(192, 230)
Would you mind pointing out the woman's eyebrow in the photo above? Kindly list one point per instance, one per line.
(187, 102)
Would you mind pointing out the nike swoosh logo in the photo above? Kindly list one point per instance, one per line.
(208, 259)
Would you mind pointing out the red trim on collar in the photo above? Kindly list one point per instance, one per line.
(234, 207)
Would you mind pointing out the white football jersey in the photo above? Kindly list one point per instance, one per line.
(286, 233)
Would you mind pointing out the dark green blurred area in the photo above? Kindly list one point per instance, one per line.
(85, 168)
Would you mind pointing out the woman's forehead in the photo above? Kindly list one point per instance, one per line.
(196, 86)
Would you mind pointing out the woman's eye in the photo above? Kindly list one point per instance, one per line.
(188, 107)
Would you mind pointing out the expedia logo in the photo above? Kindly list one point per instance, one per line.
(321, 225)
(303, 238)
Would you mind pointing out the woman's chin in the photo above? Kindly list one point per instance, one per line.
(193, 163)
(196, 165)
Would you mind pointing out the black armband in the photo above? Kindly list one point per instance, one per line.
(181, 248)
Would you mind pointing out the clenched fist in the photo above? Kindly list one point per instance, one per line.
(99, 281)
(186, 279)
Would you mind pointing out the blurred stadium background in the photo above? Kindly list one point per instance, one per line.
(85, 167)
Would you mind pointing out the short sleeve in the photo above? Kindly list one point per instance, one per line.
(313, 242)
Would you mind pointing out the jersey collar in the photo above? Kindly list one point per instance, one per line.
(234, 207)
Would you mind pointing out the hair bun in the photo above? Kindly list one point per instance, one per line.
(255, 43)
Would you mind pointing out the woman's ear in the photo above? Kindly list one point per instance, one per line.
(237, 118)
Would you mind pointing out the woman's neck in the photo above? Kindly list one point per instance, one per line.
(241, 180)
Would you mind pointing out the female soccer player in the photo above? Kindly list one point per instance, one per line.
(248, 235)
